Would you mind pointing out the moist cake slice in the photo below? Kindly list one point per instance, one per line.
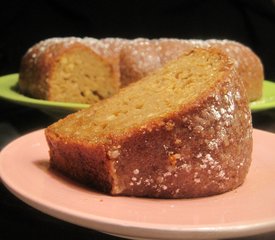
(183, 131)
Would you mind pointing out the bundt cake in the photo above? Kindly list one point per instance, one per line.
(87, 70)
(183, 131)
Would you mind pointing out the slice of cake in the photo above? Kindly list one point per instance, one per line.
(183, 131)
(69, 70)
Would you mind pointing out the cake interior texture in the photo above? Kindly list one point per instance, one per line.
(81, 76)
(140, 103)
(182, 131)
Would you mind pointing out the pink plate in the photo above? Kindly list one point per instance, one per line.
(246, 211)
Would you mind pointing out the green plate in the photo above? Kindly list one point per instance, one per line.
(8, 91)
(268, 99)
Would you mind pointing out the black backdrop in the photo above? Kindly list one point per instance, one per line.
(24, 23)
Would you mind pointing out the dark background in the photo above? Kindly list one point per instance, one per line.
(23, 23)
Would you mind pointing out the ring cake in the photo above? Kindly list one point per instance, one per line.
(87, 70)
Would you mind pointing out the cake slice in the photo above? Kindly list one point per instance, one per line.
(183, 131)
(70, 70)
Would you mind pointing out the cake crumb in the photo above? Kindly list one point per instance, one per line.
(173, 158)
(113, 153)
(169, 126)
(197, 180)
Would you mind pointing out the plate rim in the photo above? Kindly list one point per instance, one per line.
(205, 231)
